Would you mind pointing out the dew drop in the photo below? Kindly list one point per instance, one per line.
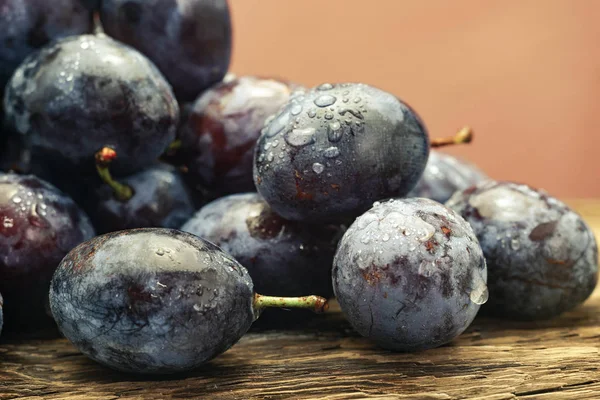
(338, 162)
(17, 199)
(356, 100)
(300, 137)
(312, 113)
(479, 295)
(365, 239)
(29, 194)
(325, 100)
(328, 116)
(385, 237)
(278, 124)
(197, 307)
(366, 220)
(335, 133)
(515, 244)
(160, 252)
(331, 152)
(296, 109)
(8, 222)
(270, 157)
(318, 168)
(325, 86)
(40, 196)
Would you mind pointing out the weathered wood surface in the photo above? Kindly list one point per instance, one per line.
(322, 358)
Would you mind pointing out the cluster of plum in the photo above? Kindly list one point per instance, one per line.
(152, 195)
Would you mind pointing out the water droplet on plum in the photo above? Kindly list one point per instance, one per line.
(318, 168)
(325, 100)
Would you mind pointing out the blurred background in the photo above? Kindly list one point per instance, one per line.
(525, 74)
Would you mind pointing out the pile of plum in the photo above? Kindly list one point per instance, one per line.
(147, 196)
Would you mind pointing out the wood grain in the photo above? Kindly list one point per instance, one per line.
(320, 357)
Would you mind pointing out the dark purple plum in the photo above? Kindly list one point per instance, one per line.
(28, 25)
(82, 93)
(91, 4)
(330, 152)
(156, 301)
(409, 274)
(284, 258)
(188, 40)
(39, 225)
(1, 316)
(154, 197)
(16, 157)
(542, 256)
(444, 175)
(221, 130)
(13, 156)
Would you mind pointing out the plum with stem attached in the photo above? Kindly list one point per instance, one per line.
(156, 301)
(154, 197)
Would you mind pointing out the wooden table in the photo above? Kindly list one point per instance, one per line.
(321, 358)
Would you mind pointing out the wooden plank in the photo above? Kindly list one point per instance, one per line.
(320, 357)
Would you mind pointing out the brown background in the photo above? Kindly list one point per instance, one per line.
(525, 74)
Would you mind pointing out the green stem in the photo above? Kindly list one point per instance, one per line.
(175, 145)
(315, 303)
(103, 159)
(465, 135)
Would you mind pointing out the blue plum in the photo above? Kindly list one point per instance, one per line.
(284, 258)
(188, 40)
(39, 225)
(159, 198)
(220, 132)
(542, 256)
(81, 93)
(409, 274)
(330, 152)
(155, 300)
(28, 25)
(444, 175)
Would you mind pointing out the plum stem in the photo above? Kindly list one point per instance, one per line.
(97, 24)
(465, 135)
(315, 303)
(175, 145)
(103, 159)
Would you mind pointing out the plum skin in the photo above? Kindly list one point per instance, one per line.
(160, 199)
(28, 25)
(1, 316)
(332, 151)
(283, 258)
(82, 93)
(541, 255)
(151, 300)
(39, 225)
(189, 41)
(409, 274)
(444, 175)
(221, 129)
